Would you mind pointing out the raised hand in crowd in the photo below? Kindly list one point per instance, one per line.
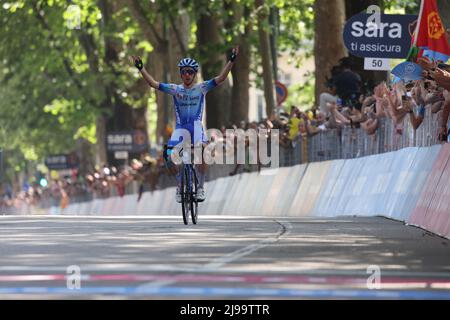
(426, 63)
(444, 117)
(442, 78)
(377, 92)
(419, 93)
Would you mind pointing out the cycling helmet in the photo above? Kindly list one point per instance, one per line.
(188, 62)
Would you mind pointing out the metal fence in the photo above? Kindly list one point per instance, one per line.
(348, 143)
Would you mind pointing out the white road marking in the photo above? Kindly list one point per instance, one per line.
(235, 255)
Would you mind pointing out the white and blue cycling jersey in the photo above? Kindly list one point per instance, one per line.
(189, 106)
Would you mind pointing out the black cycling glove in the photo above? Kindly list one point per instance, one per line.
(233, 56)
(139, 64)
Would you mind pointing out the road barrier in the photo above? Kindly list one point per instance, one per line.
(410, 185)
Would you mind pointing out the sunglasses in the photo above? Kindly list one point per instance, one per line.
(190, 72)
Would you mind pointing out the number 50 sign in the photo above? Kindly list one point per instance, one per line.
(378, 64)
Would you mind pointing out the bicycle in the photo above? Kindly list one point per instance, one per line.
(188, 190)
(189, 186)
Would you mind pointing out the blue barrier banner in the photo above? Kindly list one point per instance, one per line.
(332, 188)
(348, 177)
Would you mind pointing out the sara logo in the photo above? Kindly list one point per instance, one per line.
(435, 27)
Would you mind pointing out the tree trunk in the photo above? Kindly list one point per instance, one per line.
(169, 37)
(264, 48)
(84, 154)
(122, 115)
(100, 132)
(162, 100)
(241, 69)
(178, 40)
(217, 100)
(328, 44)
(370, 78)
(241, 86)
(153, 33)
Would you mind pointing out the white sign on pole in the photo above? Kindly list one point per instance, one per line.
(121, 155)
(377, 64)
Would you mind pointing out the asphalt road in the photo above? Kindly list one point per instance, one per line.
(221, 258)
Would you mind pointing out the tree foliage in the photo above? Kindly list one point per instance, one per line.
(56, 81)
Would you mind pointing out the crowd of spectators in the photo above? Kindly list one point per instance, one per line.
(102, 182)
(351, 102)
(345, 105)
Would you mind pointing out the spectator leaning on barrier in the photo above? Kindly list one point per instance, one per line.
(352, 117)
(317, 125)
(435, 72)
(429, 94)
(395, 107)
(371, 124)
(415, 101)
(369, 121)
(442, 77)
(294, 123)
(328, 96)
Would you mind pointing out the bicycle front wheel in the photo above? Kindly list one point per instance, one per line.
(194, 211)
(185, 195)
(194, 203)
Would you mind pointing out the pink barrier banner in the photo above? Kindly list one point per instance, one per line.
(433, 208)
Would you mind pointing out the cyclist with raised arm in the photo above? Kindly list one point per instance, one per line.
(189, 102)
